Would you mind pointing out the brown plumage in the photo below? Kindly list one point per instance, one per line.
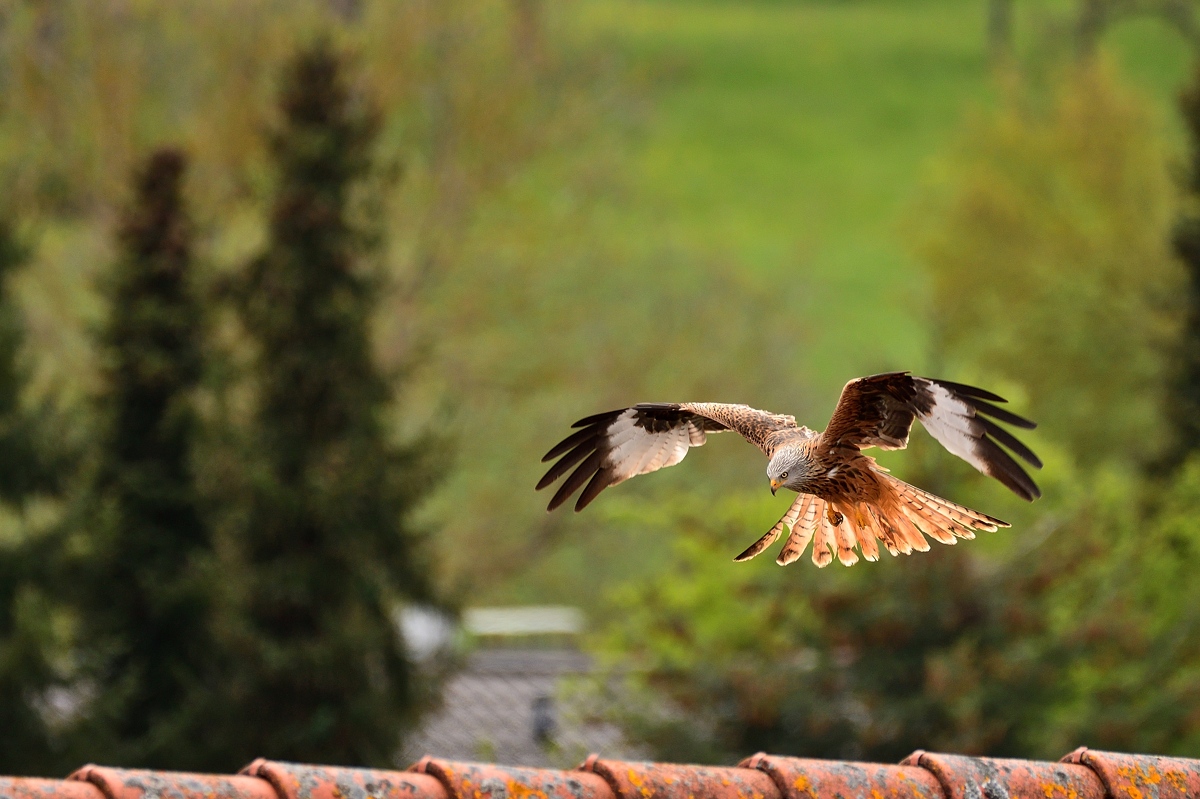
(846, 500)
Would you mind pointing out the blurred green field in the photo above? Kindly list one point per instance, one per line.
(788, 137)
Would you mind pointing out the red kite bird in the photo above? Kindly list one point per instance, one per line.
(846, 498)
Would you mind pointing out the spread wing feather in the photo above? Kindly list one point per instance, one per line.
(611, 447)
(879, 411)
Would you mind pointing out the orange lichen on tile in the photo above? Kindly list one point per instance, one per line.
(299, 781)
(1127, 776)
(672, 781)
(486, 781)
(803, 778)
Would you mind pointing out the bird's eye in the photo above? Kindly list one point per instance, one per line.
(783, 476)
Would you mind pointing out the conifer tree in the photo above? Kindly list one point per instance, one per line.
(326, 552)
(27, 640)
(139, 586)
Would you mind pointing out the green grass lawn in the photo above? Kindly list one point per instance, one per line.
(790, 137)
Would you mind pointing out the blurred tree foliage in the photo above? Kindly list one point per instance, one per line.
(869, 663)
(1051, 265)
(87, 87)
(1086, 630)
(1051, 270)
(140, 573)
(1127, 607)
(32, 640)
(321, 552)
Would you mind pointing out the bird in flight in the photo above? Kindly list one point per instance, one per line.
(845, 499)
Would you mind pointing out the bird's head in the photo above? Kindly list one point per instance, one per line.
(786, 468)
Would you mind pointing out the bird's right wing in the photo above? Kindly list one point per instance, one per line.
(614, 446)
(878, 411)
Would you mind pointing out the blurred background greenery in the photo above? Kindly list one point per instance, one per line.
(562, 208)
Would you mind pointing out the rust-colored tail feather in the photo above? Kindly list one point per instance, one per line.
(911, 533)
(869, 533)
(929, 523)
(811, 514)
(822, 553)
(900, 524)
(964, 516)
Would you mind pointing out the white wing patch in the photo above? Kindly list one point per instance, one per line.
(952, 422)
(609, 448)
(635, 450)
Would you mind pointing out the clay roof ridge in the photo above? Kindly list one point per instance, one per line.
(1083, 774)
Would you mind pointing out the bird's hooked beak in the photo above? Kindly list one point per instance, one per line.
(775, 484)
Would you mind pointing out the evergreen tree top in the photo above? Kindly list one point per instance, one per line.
(326, 132)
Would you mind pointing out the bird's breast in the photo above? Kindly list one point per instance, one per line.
(841, 479)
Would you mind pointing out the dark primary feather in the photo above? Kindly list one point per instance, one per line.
(1007, 470)
(587, 447)
(598, 417)
(1009, 440)
(1008, 417)
(600, 481)
(569, 442)
(577, 478)
(969, 391)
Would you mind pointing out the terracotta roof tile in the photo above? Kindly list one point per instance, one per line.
(974, 777)
(120, 783)
(1141, 776)
(485, 781)
(1084, 774)
(299, 781)
(671, 781)
(801, 778)
(35, 788)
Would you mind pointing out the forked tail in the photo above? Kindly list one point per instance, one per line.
(901, 520)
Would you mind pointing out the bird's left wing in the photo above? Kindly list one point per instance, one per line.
(614, 446)
(878, 411)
